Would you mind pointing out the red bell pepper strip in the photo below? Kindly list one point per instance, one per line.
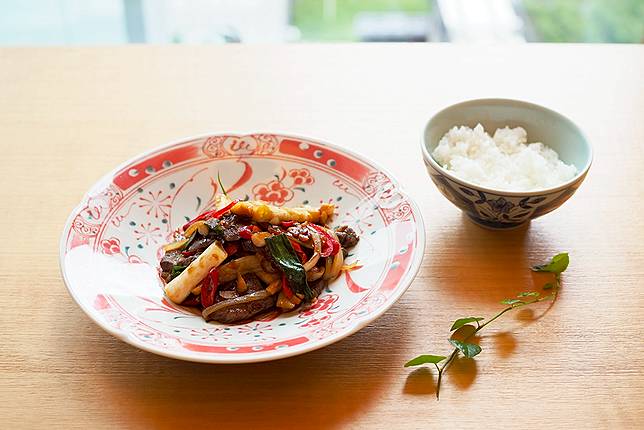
(299, 251)
(231, 248)
(330, 246)
(211, 214)
(287, 290)
(288, 224)
(209, 288)
(245, 232)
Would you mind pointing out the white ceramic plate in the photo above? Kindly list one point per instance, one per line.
(111, 244)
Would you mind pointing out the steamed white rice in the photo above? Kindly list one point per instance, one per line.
(504, 161)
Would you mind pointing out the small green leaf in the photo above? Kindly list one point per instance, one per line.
(557, 264)
(425, 359)
(468, 349)
(463, 332)
(462, 321)
(548, 286)
(528, 294)
(285, 258)
(512, 302)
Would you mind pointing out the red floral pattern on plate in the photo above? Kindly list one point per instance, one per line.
(301, 177)
(272, 192)
(148, 233)
(111, 246)
(157, 203)
(280, 190)
(322, 304)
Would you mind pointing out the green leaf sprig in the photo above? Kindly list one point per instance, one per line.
(284, 256)
(557, 265)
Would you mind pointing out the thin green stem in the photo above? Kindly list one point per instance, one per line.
(223, 190)
(552, 296)
(509, 308)
(438, 383)
(442, 369)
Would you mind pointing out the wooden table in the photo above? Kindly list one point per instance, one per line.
(69, 115)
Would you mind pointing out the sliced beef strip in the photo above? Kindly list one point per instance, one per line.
(230, 223)
(169, 260)
(185, 261)
(227, 294)
(253, 283)
(247, 245)
(318, 286)
(299, 232)
(198, 246)
(240, 308)
(227, 286)
(215, 231)
(347, 236)
(231, 234)
(268, 263)
(229, 289)
(226, 291)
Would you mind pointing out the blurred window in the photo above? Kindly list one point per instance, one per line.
(91, 22)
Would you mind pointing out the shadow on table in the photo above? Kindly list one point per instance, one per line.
(462, 372)
(324, 388)
(422, 381)
(476, 268)
(491, 265)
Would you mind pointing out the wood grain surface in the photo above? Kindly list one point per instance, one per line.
(69, 115)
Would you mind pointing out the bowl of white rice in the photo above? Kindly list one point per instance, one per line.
(505, 162)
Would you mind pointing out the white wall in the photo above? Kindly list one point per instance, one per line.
(207, 21)
(61, 22)
(57, 22)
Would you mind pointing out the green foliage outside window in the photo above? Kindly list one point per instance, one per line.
(333, 20)
(612, 21)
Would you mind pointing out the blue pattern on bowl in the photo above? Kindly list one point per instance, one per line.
(495, 210)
